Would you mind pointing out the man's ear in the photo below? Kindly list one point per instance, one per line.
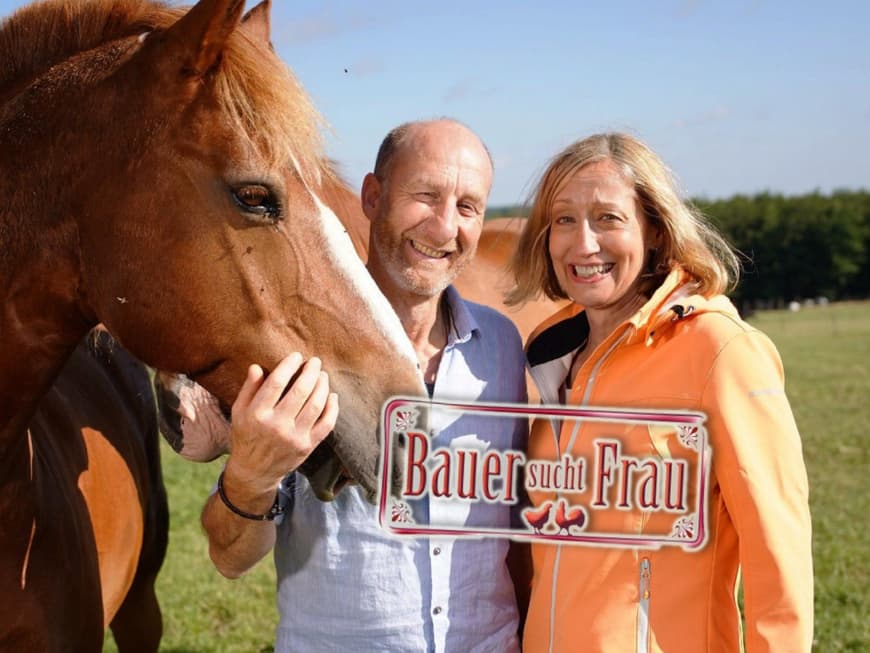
(370, 195)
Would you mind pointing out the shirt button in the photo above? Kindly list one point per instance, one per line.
(436, 609)
(436, 551)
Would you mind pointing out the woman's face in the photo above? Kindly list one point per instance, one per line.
(599, 238)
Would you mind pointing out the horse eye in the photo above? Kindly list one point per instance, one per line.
(257, 200)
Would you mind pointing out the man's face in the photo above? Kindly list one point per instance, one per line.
(427, 213)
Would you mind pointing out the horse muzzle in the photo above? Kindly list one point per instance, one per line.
(197, 427)
(192, 420)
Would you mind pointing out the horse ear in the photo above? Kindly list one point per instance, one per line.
(197, 39)
(257, 22)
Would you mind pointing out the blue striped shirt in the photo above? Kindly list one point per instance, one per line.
(344, 584)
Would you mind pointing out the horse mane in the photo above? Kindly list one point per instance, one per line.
(41, 35)
(256, 90)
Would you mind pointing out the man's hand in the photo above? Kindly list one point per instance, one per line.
(278, 420)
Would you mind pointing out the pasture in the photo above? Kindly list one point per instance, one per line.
(826, 351)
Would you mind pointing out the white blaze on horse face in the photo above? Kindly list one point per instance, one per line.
(341, 250)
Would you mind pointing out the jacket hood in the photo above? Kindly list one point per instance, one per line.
(675, 300)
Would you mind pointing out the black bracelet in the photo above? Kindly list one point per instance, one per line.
(276, 509)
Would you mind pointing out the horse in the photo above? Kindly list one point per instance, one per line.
(488, 278)
(161, 171)
(484, 281)
(96, 432)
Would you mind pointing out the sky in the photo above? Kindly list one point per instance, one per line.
(738, 96)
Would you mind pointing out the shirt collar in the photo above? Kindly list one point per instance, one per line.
(463, 324)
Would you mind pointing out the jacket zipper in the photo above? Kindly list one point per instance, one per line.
(586, 394)
(643, 606)
(587, 390)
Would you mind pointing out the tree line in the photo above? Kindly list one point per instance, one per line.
(791, 248)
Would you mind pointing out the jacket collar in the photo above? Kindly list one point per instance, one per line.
(552, 346)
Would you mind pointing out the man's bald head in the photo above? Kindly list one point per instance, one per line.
(404, 136)
(426, 201)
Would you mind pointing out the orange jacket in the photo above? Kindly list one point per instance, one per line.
(681, 352)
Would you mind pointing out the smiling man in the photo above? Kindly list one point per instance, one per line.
(343, 583)
(425, 200)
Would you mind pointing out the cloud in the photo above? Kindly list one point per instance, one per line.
(687, 8)
(754, 7)
(468, 88)
(320, 26)
(365, 67)
(714, 115)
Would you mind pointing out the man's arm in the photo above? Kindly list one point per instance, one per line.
(236, 544)
(272, 434)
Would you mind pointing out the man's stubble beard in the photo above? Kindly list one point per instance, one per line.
(407, 278)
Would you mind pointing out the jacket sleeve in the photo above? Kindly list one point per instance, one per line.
(759, 465)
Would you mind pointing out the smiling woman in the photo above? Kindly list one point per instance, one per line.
(599, 238)
(649, 327)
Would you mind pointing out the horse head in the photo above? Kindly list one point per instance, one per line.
(178, 164)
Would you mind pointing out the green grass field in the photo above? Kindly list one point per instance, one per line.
(202, 610)
(826, 351)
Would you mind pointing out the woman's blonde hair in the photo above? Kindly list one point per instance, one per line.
(686, 238)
